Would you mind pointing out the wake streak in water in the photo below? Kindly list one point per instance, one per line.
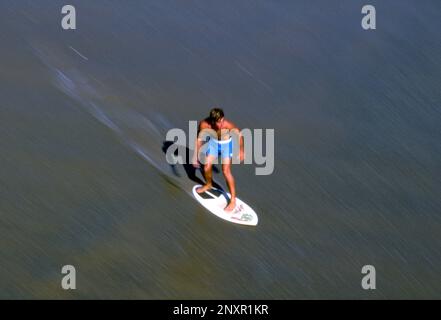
(140, 133)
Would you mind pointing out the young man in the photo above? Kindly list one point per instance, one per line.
(220, 144)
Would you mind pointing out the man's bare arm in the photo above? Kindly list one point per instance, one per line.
(234, 129)
(198, 143)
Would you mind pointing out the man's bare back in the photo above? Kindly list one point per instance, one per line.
(223, 131)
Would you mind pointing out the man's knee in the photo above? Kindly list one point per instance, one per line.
(226, 170)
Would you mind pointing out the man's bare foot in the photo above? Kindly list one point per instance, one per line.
(231, 206)
(204, 188)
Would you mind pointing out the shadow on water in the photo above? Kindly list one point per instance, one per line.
(189, 169)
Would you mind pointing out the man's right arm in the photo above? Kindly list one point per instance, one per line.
(198, 144)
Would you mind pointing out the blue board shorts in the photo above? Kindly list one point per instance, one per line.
(223, 148)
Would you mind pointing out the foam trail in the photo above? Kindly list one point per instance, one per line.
(100, 116)
(81, 55)
(140, 133)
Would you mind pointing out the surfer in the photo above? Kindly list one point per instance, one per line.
(222, 146)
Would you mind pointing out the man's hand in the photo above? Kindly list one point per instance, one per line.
(195, 162)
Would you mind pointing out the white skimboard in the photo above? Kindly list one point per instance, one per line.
(215, 200)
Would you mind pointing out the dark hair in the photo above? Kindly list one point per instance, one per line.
(216, 114)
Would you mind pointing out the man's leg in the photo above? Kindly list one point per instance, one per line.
(226, 169)
(208, 172)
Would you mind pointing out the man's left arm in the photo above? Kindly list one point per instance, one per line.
(241, 148)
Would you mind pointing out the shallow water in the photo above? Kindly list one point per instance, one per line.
(84, 181)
